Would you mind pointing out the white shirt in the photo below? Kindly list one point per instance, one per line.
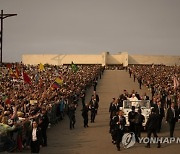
(132, 99)
(120, 126)
(159, 109)
(173, 110)
(34, 137)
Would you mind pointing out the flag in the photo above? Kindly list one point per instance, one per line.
(6, 100)
(37, 78)
(153, 65)
(9, 65)
(55, 85)
(11, 73)
(17, 73)
(74, 67)
(176, 82)
(58, 82)
(41, 67)
(26, 78)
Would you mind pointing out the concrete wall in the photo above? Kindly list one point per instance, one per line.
(114, 59)
(149, 59)
(62, 59)
(80, 59)
(58, 59)
(105, 58)
(36, 59)
(121, 58)
(125, 58)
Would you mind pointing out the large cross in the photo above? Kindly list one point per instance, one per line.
(3, 16)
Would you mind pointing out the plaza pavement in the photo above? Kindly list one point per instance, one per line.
(96, 138)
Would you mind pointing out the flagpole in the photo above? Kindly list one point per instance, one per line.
(48, 87)
(23, 78)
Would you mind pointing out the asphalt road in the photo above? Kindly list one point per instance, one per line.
(96, 138)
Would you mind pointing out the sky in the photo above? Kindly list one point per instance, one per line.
(150, 27)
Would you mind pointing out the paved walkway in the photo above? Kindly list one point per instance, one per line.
(96, 139)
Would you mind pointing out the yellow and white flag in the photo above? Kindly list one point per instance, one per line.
(41, 67)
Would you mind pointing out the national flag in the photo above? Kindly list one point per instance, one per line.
(11, 73)
(74, 67)
(55, 85)
(9, 65)
(26, 78)
(41, 67)
(6, 100)
(176, 82)
(17, 73)
(58, 82)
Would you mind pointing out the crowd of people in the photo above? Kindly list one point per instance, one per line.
(163, 82)
(92, 106)
(34, 96)
(118, 121)
(135, 118)
(115, 67)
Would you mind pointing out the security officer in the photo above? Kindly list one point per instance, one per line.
(161, 114)
(85, 115)
(131, 119)
(71, 114)
(120, 122)
(140, 81)
(151, 127)
(172, 118)
(93, 107)
(113, 108)
(139, 119)
(96, 96)
(44, 122)
(113, 130)
(178, 109)
(83, 95)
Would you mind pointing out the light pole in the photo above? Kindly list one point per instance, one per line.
(3, 16)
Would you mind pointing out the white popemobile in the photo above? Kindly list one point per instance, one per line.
(143, 104)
